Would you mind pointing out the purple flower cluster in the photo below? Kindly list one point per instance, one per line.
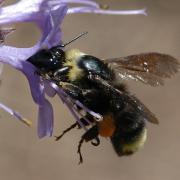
(48, 16)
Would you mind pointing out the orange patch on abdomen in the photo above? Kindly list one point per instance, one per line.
(106, 126)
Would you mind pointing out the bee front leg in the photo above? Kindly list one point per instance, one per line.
(65, 131)
(78, 93)
(103, 84)
(73, 91)
(84, 122)
(42, 74)
(82, 100)
(61, 73)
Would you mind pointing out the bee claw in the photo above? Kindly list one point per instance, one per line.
(80, 161)
(57, 138)
(79, 151)
(96, 143)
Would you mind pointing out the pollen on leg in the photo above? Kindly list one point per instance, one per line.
(106, 127)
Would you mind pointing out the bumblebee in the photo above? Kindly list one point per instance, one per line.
(98, 84)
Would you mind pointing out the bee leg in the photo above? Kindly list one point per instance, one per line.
(99, 81)
(65, 131)
(79, 151)
(74, 125)
(89, 135)
(72, 90)
(84, 96)
(61, 72)
(85, 118)
(42, 73)
(78, 93)
(103, 84)
(97, 141)
(39, 72)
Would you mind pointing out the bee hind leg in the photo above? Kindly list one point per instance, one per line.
(72, 90)
(91, 134)
(97, 141)
(79, 150)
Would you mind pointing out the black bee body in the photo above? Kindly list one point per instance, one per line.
(96, 85)
(121, 121)
(96, 98)
(130, 132)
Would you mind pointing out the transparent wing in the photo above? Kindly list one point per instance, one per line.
(149, 68)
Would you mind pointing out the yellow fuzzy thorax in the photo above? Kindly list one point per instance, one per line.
(72, 57)
(138, 144)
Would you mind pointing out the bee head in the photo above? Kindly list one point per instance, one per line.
(48, 60)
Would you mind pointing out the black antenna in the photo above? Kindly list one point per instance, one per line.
(75, 38)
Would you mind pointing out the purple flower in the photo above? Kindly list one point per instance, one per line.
(47, 15)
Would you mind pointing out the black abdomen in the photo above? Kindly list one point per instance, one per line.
(130, 133)
(126, 143)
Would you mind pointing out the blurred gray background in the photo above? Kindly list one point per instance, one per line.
(24, 156)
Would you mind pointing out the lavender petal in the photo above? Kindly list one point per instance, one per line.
(36, 87)
(48, 16)
(45, 14)
(49, 90)
(45, 119)
(85, 2)
(9, 57)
